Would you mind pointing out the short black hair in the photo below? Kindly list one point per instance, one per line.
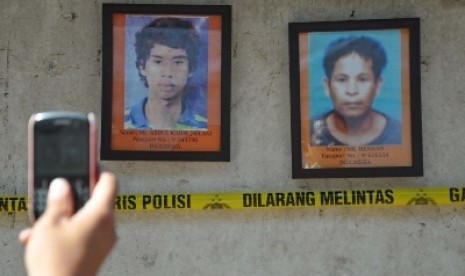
(364, 46)
(168, 31)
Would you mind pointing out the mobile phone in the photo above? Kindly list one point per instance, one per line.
(60, 144)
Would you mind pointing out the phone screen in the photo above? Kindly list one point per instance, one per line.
(61, 149)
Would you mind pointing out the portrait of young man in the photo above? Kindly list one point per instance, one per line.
(167, 88)
(356, 99)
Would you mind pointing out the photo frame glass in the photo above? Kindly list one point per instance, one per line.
(355, 98)
(166, 81)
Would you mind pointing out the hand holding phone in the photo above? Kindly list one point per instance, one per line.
(61, 145)
(75, 244)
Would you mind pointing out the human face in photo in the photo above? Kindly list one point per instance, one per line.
(166, 71)
(352, 86)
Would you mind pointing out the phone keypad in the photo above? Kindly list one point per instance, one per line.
(40, 197)
(80, 190)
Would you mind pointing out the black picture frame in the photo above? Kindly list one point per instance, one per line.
(204, 133)
(316, 152)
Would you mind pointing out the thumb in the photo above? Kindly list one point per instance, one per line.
(59, 200)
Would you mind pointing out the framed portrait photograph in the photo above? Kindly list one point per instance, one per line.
(166, 82)
(355, 98)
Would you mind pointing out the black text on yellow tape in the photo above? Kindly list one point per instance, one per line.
(153, 202)
(301, 199)
(261, 200)
(13, 203)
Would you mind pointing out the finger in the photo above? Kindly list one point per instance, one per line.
(60, 200)
(103, 198)
(97, 215)
(24, 235)
(105, 191)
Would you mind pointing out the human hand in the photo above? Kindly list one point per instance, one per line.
(61, 243)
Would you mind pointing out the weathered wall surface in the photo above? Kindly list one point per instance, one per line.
(50, 58)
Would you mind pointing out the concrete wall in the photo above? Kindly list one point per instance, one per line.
(50, 58)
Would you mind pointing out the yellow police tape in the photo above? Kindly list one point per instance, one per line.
(263, 200)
